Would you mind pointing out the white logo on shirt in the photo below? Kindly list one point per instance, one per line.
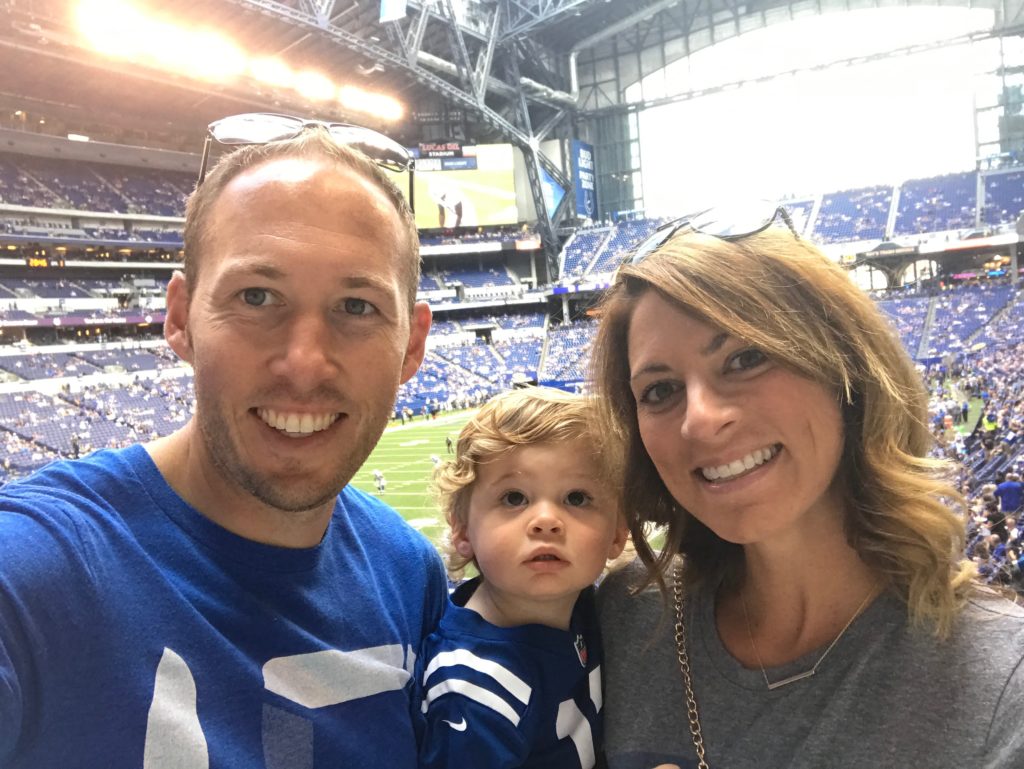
(459, 727)
(174, 735)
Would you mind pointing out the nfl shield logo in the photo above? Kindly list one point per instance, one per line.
(581, 649)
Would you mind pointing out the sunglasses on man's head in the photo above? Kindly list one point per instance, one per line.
(267, 127)
(724, 223)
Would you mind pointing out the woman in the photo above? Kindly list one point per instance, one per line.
(777, 429)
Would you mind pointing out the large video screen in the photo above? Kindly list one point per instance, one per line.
(469, 191)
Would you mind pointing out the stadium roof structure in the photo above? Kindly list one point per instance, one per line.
(521, 71)
(481, 56)
(507, 65)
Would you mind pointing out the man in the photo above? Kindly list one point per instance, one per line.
(1010, 494)
(220, 597)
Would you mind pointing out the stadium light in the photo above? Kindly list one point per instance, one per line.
(119, 29)
(272, 72)
(209, 56)
(113, 28)
(371, 103)
(314, 86)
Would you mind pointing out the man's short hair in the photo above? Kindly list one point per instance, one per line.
(314, 143)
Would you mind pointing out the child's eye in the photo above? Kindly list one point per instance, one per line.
(514, 498)
(577, 498)
(746, 359)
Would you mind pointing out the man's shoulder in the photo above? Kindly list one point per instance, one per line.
(101, 468)
(370, 519)
(58, 523)
(96, 481)
(68, 497)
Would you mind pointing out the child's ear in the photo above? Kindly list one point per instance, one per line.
(462, 544)
(621, 535)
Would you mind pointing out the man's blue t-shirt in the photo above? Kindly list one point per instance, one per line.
(136, 632)
(1011, 495)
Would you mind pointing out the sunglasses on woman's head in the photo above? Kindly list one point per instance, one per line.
(725, 223)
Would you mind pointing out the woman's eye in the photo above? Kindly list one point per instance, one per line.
(358, 307)
(747, 359)
(514, 498)
(256, 297)
(577, 498)
(657, 392)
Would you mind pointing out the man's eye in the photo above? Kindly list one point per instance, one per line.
(358, 307)
(257, 297)
(577, 498)
(514, 498)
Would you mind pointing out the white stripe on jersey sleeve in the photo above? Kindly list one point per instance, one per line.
(471, 691)
(512, 683)
(573, 724)
(595, 688)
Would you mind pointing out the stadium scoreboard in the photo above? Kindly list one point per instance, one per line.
(44, 261)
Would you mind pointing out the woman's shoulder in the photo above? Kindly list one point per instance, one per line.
(988, 630)
(628, 593)
(623, 582)
(990, 616)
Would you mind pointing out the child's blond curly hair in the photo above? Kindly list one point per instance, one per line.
(525, 417)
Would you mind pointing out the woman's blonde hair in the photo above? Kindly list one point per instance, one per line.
(785, 297)
(525, 417)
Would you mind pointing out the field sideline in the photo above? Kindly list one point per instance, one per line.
(404, 456)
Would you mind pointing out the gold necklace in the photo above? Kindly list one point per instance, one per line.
(684, 665)
(807, 673)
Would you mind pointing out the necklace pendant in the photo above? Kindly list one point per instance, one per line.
(791, 679)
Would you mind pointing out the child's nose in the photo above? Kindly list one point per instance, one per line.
(547, 519)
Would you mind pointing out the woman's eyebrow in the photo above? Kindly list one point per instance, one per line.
(715, 344)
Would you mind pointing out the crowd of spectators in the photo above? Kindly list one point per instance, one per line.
(977, 413)
(84, 186)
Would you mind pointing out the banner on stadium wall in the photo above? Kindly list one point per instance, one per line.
(583, 179)
(553, 192)
(449, 149)
(473, 190)
(446, 164)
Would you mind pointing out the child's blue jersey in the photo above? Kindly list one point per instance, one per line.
(527, 696)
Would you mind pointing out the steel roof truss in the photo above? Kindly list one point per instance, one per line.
(524, 16)
(486, 56)
(458, 46)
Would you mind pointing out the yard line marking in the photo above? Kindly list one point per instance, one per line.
(407, 444)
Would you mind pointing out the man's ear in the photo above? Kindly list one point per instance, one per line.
(176, 322)
(419, 327)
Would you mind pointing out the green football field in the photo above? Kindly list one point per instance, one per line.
(404, 456)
